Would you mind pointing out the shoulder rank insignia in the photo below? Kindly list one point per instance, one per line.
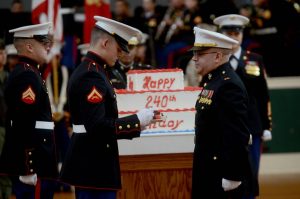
(94, 96)
(28, 96)
(252, 68)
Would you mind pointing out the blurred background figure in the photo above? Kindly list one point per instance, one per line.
(275, 30)
(83, 49)
(126, 62)
(147, 18)
(142, 49)
(122, 12)
(17, 6)
(168, 38)
(5, 182)
(250, 68)
(12, 57)
(192, 78)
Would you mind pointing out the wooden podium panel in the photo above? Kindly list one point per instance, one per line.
(157, 176)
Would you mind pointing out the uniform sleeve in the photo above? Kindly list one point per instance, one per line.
(263, 99)
(128, 127)
(235, 136)
(26, 96)
(98, 103)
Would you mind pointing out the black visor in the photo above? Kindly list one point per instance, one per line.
(232, 28)
(44, 39)
(121, 42)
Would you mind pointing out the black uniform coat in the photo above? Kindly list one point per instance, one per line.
(222, 135)
(251, 71)
(27, 149)
(92, 160)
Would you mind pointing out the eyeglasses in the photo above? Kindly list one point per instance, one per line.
(45, 40)
(198, 54)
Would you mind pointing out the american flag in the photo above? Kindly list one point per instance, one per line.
(48, 11)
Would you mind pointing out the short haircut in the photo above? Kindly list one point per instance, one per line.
(20, 43)
(97, 34)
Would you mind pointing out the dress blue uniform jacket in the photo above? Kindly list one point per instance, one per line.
(251, 71)
(92, 160)
(28, 149)
(222, 134)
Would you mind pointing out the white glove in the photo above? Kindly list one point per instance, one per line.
(145, 116)
(230, 184)
(267, 135)
(29, 179)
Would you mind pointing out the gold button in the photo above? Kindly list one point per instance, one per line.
(128, 126)
(30, 161)
(136, 125)
(45, 140)
(215, 157)
(120, 127)
(29, 153)
(107, 145)
(202, 107)
(223, 72)
(205, 84)
(31, 170)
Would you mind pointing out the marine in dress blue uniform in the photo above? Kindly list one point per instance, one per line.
(126, 62)
(29, 150)
(92, 160)
(221, 166)
(250, 68)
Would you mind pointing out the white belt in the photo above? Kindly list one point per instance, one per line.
(44, 125)
(79, 129)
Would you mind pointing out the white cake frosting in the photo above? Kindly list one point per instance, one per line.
(163, 90)
(161, 79)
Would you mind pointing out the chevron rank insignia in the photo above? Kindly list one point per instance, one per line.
(28, 96)
(94, 96)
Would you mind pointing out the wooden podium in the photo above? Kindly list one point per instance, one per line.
(147, 174)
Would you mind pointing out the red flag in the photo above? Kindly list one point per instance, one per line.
(39, 8)
(91, 9)
(48, 11)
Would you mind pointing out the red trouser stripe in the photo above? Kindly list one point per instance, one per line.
(37, 193)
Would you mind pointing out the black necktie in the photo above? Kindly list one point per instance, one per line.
(232, 57)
